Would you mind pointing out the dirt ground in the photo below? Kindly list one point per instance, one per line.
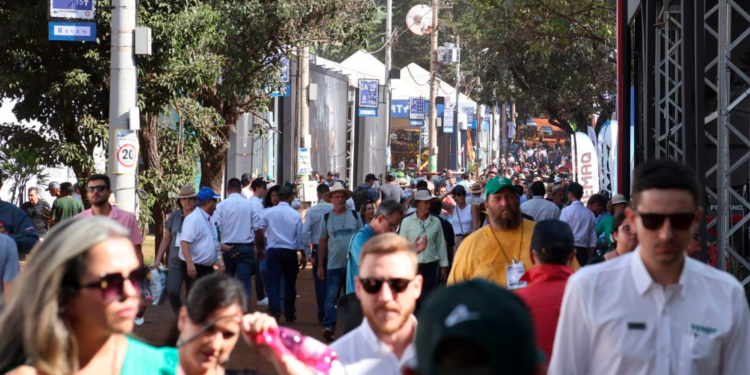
(160, 319)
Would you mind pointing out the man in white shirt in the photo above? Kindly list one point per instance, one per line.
(283, 226)
(310, 238)
(241, 236)
(655, 310)
(538, 207)
(582, 222)
(246, 179)
(258, 187)
(199, 240)
(387, 287)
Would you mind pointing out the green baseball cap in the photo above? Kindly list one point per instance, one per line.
(483, 314)
(499, 183)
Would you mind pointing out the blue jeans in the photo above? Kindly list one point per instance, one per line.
(334, 279)
(263, 271)
(174, 284)
(242, 266)
(320, 287)
(282, 265)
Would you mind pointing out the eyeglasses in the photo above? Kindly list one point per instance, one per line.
(99, 188)
(111, 284)
(373, 285)
(678, 221)
(460, 194)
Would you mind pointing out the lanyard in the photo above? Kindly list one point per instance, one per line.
(520, 244)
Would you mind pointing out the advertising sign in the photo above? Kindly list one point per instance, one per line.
(424, 134)
(367, 112)
(126, 144)
(607, 150)
(284, 69)
(303, 161)
(416, 108)
(72, 9)
(72, 31)
(368, 93)
(586, 165)
(448, 120)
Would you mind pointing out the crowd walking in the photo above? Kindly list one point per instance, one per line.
(511, 273)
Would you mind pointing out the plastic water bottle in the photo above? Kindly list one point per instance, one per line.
(306, 349)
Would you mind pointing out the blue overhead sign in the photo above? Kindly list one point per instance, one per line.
(400, 108)
(416, 122)
(367, 112)
(75, 9)
(284, 91)
(284, 69)
(72, 31)
(368, 93)
(448, 120)
(470, 120)
(416, 108)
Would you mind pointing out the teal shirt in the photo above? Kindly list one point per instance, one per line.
(355, 248)
(436, 250)
(143, 359)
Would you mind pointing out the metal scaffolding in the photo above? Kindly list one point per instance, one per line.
(692, 63)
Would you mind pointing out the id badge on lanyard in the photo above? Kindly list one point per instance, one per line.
(513, 273)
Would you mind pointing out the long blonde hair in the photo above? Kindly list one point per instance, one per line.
(34, 328)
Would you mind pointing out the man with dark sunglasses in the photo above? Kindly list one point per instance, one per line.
(387, 287)
(98, 192)
(669, 314)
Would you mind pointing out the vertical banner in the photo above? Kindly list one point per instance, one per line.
(368, 98)
(586, 165)
(607, 151)
(303, 162)
(416, 108)
(126, 144)
(448, 120)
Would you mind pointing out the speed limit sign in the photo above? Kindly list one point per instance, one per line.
(126, 157)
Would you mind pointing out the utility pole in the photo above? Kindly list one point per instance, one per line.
(493, 134)
(122, 98)
(456, 144)
(513, 118)
(304, 113)
(503, 130)
(433, 87)
(387, 93)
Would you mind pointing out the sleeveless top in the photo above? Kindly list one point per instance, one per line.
(461, 219)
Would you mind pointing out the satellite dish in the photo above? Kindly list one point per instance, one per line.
(419, 20)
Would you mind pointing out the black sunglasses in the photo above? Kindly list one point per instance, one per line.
(678, 221)
(111, 284)
(373, 285)
(461, 194)
(99, 188)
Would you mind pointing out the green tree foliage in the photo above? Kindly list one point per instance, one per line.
(21, 163)
(553, 56)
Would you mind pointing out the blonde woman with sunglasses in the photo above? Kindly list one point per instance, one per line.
(77, 298)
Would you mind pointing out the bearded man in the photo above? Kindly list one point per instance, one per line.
(498, 252)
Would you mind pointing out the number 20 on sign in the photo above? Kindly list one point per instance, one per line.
(126, 146)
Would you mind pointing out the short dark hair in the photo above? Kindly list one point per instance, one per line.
(663, 174)
(67, 188)
(97, 177)
(422, 184)
(538, 188)
(267, 198)
(258, 183)
(234, 184)
(597, 198)
(33, 188)
(322, 189)
(390, 178)
(555, 252)
(246, 178)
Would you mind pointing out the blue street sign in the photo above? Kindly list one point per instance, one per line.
(416, 122)
(470, 120)
(416, 108)
(72, 31)
(367, 112)
(448, 120)
(368, 93)
(284, 69)
(287, 89)
(77, 9)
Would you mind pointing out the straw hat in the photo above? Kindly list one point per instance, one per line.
(338, 186)
(421, 195)
(403, 183)
(476, 188)
(187, 191)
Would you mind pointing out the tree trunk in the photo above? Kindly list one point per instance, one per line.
(213, 161)
(149, 139)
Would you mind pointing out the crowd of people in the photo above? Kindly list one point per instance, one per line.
(510, 273)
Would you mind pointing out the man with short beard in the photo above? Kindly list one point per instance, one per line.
(387, 287)
(498, 252)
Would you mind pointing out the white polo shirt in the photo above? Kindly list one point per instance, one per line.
(616, 320)
(362, 353)
(199, 230)
(237, 219)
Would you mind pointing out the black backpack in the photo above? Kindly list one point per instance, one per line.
(360, 196)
